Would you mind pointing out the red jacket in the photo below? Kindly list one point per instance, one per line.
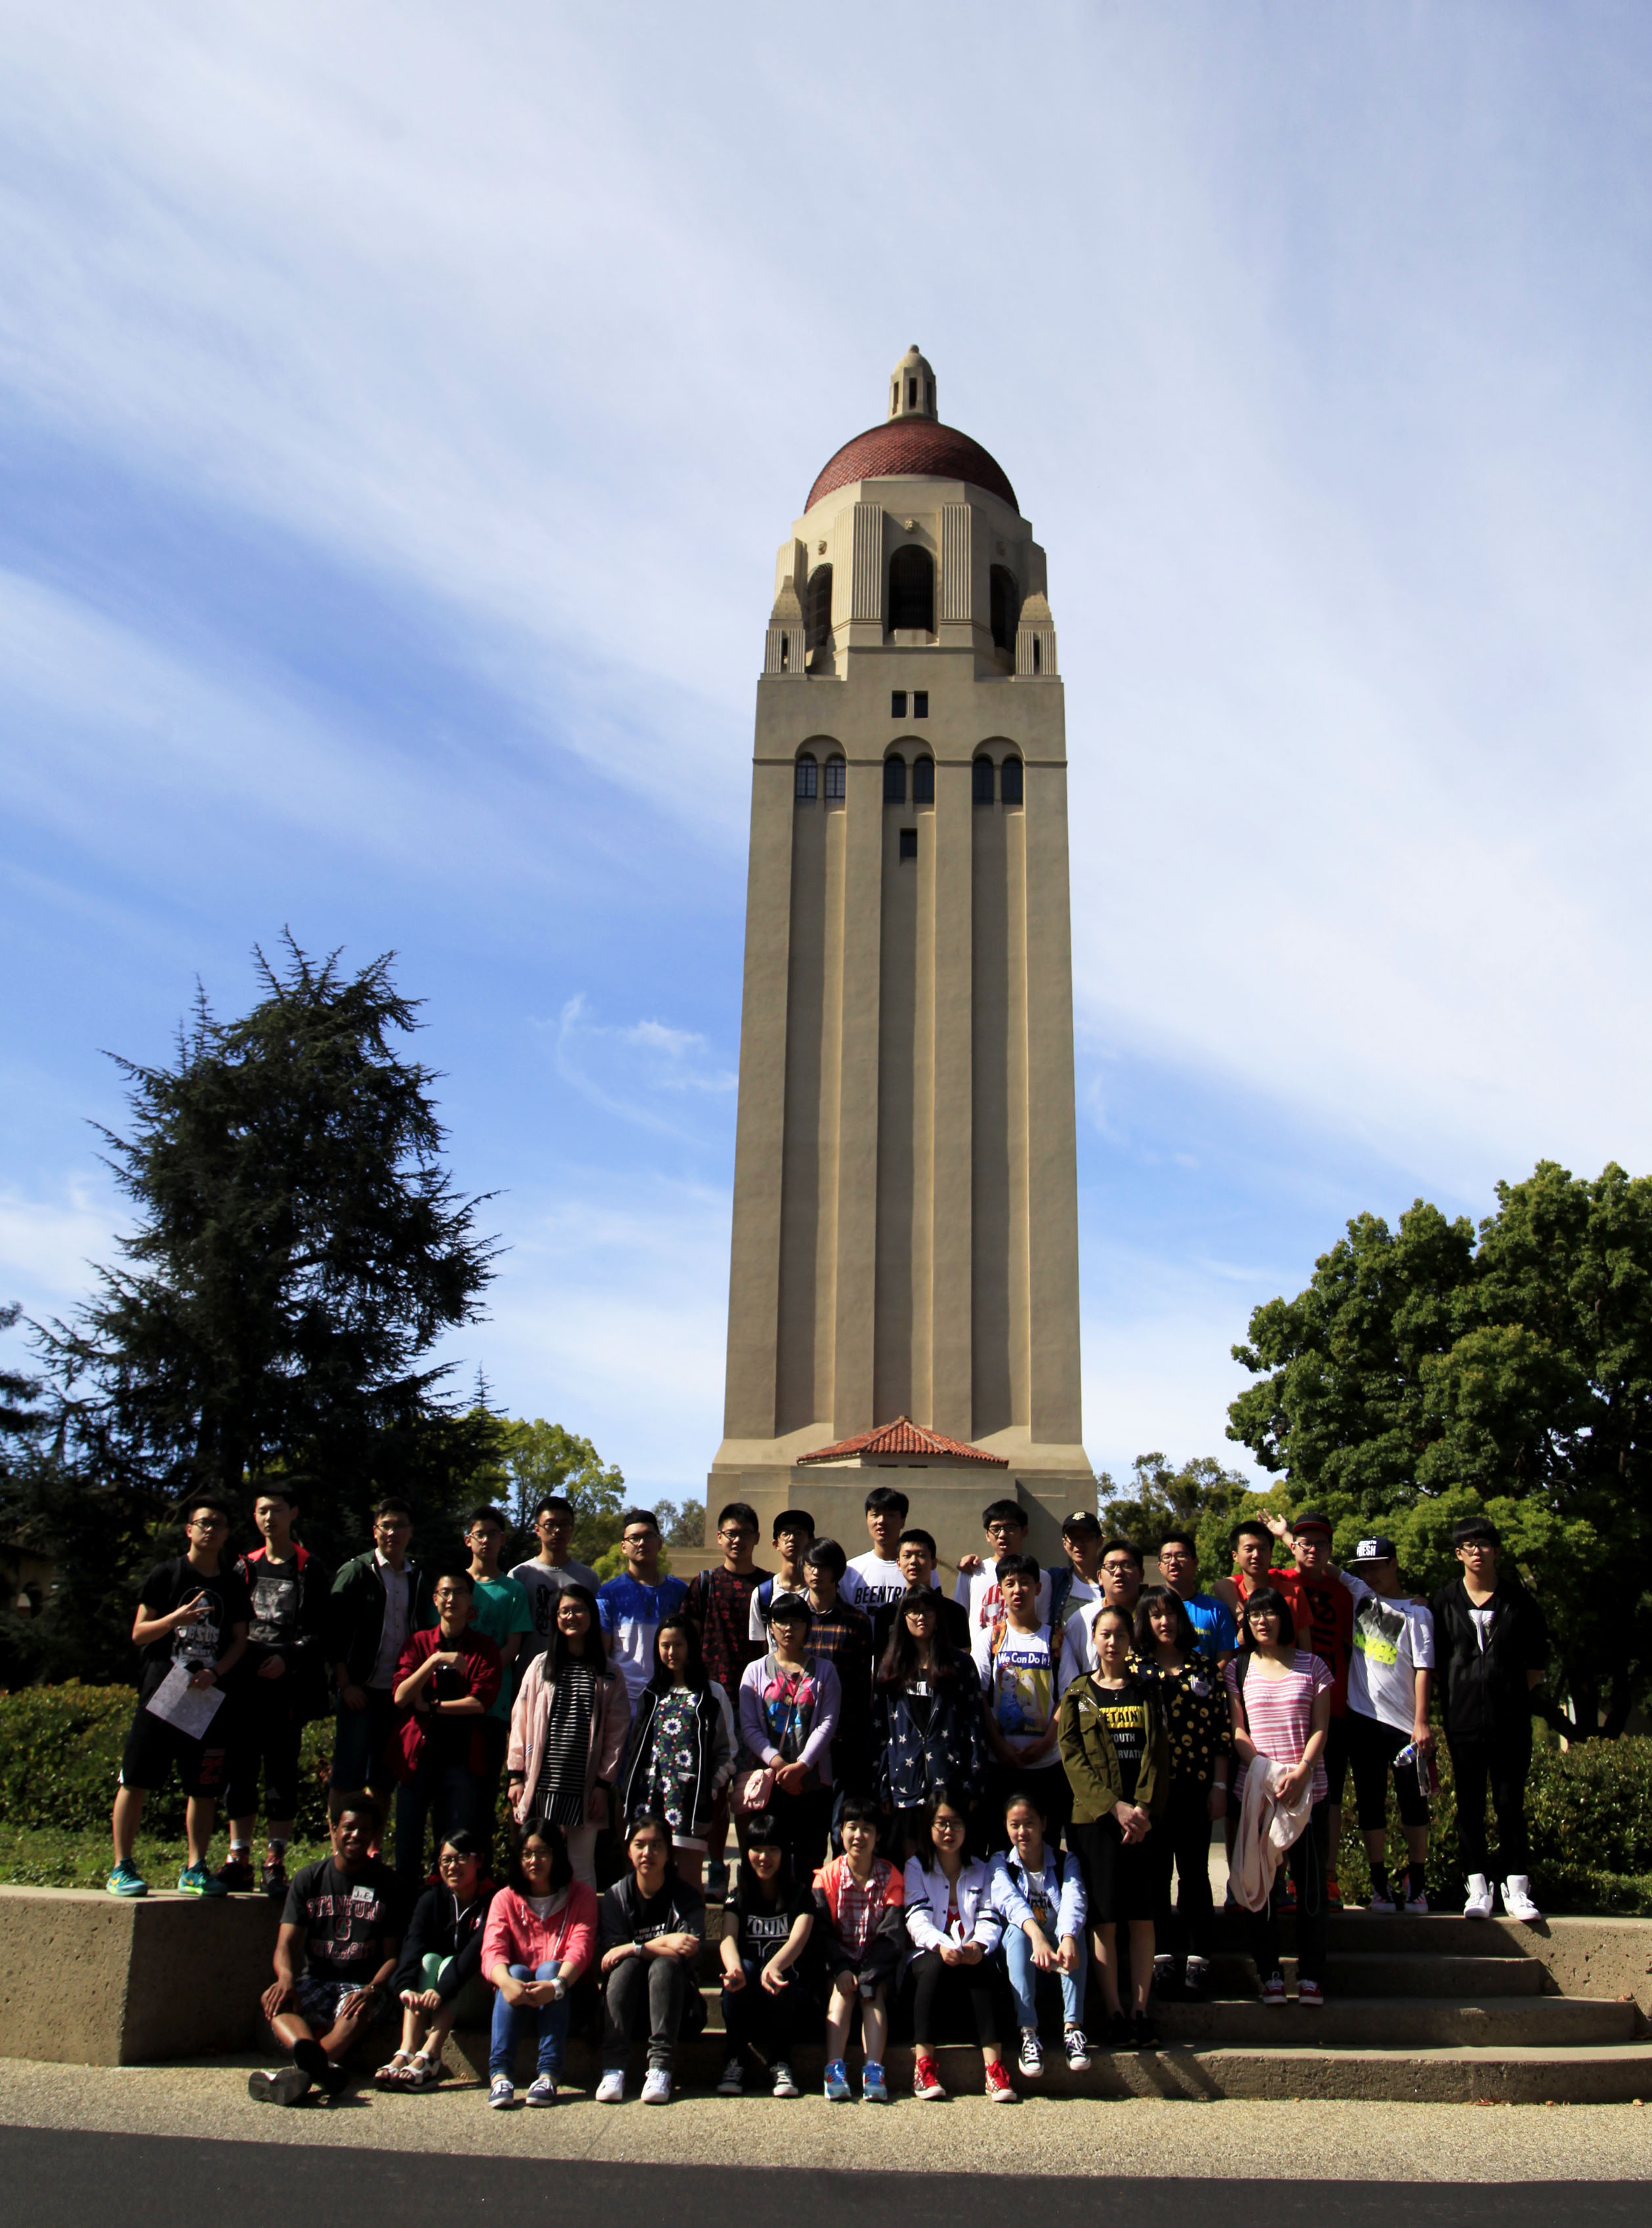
(477, 1672)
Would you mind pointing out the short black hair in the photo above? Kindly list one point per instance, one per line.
(859, 1811)
(392, 1505)
(1003, 1511)
(1035, 1804)
(887, 1501)
(546, 1830)
(1473, 1527)
(197, 1502)
(1249, 1526)
(364, 1807)
(918, 1538)
(1018, 1566)
(462, 1841)
(486, 1514)
(277, 1489)
(1123, 1547)
(462, 1579)
(549, 1503)
(1267, 1598)
(1180, 1538)
(782, 1608)
(825, 1554)
(631, 1516)
(793, 1520)
(741, 1511)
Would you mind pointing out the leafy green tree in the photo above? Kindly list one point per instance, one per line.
(1201, 1497)
(1432, 1372)
(541, 1458)
(298, 1251)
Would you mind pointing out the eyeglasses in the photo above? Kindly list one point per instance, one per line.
(452, 1860)
(948, 1826)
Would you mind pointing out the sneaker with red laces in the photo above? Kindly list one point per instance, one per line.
(1273, 1988)
(999, 2086)
(926, 2081)
(1309, 1992)
(1333, 1893)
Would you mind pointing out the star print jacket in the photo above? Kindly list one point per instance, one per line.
(914, 1759)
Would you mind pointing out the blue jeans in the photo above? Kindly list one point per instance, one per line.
(510, 2020)
(1024, 1977)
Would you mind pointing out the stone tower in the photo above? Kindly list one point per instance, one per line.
(905, 1213)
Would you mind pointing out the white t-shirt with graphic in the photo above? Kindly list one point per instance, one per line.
(1018, 1681)
(1393, 1641)
(869, 1581)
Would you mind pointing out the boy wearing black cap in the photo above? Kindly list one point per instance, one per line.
(1389, 1677)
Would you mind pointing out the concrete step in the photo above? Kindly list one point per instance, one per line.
(1371, 1973)
(1363, 1930)
(1401, 2023)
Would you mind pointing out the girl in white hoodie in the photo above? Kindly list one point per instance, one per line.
(954, 1935)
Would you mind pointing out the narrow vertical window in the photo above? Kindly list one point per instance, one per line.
(808, 775)
(897, 703)
(834, 781)
(908, 844)
(895, 780)
(923, 781)
(984, 781)
(1035, 653)
(920, 703)
(1010, 782)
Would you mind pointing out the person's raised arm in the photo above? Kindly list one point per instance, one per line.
(147, 1629)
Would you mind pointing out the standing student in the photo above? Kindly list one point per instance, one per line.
(843, 1636)
(859, 1907)
(916, 1558)
(373, 1609)
(446, 1680)
(1080, 1582)
(335, 1955)
(720, 1603)
(569, 1731)
(1037, 1896)
(1004, 1523)
(928, 1727)
(543, 1576)
(1214, 1631)
(500, 1608)
(1119, 1571)
(1192, 1698)
(633, 1606)
(793, 1536)
(283, 1685)
(767, 1921)
(876, 1577)
(954, 1933)
(1280, 1694)
(1321, 1610)
(1018, 1667)
(789, 1703)
(539, 1941)
(1389, 1677)
(1252, 1550)
(1114, 1748)
(1493, 1647)
(652, 1930)
(680, 1755)
(193, 1613)
(439, 1981)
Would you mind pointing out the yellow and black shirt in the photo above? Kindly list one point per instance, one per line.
(1194, 1704)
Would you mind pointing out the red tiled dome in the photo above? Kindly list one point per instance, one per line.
(915, 447)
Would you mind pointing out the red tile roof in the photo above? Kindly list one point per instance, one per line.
(903, 1436)
(915, 448)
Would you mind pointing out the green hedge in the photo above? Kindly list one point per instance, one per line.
(1590, 1812)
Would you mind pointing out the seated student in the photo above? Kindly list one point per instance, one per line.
(447, 1681)
(789, 1703)
(876, 1577)
(568, 1732)
(192, 1616)
(928, 1728)
(954, 1933)
(1017, 1663)
(680, 1757)
(916, 1558)
(439, 1978)
(1114, 1748)
(653, 1926)
(1038, 1896)
(860, 1899)
(843, 1636)
(335, 1957)
(541, 1938)
(794, 1535)
(1004, 1523)
(1192, 1700)
(766, 1925)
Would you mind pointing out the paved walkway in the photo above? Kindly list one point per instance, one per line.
(1137, 2137)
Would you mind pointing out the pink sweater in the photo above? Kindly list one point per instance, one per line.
(514, 1937)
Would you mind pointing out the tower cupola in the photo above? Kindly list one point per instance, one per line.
(912, 387)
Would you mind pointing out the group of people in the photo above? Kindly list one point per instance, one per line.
(944, 1809)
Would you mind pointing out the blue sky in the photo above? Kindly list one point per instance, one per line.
(400, 409)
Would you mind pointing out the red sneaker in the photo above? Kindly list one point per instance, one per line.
(926, 2080)
(1333, 1893)
(999, 2087)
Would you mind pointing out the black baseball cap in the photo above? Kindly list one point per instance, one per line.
(1377, 1549)
(1311, 1520)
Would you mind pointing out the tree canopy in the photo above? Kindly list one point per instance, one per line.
(1436, 1371)
(1201, 1497)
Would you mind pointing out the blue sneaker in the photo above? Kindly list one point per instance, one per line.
(126, 1879)
(837, 2083)
(196, 1879)
(874, 2090)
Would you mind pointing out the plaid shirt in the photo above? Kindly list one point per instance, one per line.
(719, 1602)
(855, 1910)
(843, 1636)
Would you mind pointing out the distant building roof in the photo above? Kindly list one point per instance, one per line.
(903, 1436)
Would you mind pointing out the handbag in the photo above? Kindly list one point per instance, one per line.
(753, 1793)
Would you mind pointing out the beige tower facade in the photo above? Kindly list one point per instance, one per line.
(905, 1209)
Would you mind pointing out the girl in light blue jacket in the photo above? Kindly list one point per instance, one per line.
(1037, 1896)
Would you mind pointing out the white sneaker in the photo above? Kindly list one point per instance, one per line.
(786, 2081)
(1517, 1899)
(543, 2091)
(611, 2090)
(1479, 1903)
(657, 2086)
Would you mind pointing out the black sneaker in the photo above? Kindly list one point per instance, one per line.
(289, 2085)
(335, 2081)
(273, 1877)
(1143, 2035)
(235, 1878)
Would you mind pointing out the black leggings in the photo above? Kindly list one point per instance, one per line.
(933, 1978)
(1185, 1829)
(1502, 1760)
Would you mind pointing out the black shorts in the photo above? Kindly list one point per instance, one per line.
(1372, 1747)
(153, 1747)
(1336, 1759)
(1122, 1878)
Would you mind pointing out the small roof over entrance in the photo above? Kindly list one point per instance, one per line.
(905, 1439)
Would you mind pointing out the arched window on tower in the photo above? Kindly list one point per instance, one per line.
(1005, 607)
(818, 618)
(808, 775)
(895, 780)
(1009, 781)
(912, 588)
(834, 792)
(984, 781)
(923, 781)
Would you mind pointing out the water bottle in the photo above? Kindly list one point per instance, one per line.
(1427, 1780)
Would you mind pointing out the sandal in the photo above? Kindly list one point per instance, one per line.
(393, 2074)
(422, 2072)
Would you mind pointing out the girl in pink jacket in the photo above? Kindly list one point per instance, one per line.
(539, 1938)
(568, 1732)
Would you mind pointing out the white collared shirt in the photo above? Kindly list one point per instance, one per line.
(398, 1618)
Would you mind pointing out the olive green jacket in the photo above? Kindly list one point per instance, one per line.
(1090, 1762)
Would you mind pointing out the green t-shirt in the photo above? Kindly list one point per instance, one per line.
(502, 1608)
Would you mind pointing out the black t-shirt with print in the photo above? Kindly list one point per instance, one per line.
(1125, 1710)
(276, 1593)
(760, 1924)
(348, 1917)
(207, 1635)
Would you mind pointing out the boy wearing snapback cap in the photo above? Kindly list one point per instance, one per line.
(1390, 1673)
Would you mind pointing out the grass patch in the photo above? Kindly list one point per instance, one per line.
(53, 1856)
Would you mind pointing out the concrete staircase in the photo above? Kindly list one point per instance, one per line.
(1436, 2009)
